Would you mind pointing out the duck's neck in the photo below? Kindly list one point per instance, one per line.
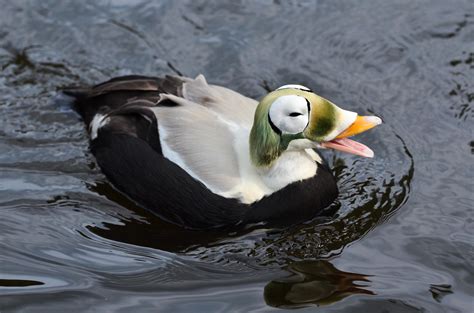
(260, 181)
(290, 167)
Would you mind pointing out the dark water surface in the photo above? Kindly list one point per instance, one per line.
(402, 239)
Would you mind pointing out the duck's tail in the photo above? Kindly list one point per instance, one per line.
(79, 102)
(76, 93)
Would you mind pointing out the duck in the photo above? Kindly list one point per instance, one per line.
(203, 156)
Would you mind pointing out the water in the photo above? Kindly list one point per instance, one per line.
(402, 237)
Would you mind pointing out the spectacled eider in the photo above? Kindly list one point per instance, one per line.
(204, 156)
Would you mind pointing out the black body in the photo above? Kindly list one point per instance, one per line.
(128, 151)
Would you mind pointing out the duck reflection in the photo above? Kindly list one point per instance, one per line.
(150, 230)
(314, 283)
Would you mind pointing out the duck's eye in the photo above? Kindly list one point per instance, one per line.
(293, 114)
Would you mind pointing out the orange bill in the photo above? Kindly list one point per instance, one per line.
(344, 144)
(361, 124)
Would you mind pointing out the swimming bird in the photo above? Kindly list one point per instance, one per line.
(204, 156)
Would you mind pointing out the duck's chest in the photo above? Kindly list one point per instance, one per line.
(298, 200)
(257, 183)
(291, 166)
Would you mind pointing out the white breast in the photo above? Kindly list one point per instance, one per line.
(290, 167)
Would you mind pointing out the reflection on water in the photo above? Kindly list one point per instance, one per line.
(149, 230)
(463, 90)
(12, 283)
(314, 283)
(439, 291)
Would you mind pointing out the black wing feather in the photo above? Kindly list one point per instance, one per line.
(160, 185)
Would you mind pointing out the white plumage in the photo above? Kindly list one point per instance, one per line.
(208, 136)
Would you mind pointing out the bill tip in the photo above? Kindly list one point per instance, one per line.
(374, 120)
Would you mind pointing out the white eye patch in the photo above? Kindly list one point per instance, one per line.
(289, 114)
(300, 87)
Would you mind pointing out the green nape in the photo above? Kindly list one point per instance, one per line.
(265, 144)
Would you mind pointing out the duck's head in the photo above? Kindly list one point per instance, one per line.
(294, 118)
